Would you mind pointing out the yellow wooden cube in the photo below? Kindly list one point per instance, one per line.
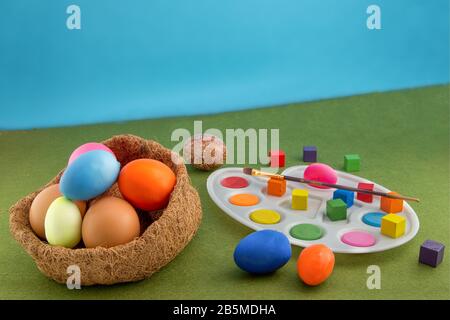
(393, 225)
(299, 199)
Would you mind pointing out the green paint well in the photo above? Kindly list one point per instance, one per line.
(306, 231)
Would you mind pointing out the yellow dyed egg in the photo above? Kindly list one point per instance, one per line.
(63, 223)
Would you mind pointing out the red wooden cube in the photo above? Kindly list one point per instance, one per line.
(363, 196)
(277, 158)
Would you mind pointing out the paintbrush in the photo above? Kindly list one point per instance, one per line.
(258, 173)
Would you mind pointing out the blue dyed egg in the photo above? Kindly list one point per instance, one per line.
(262, 252)
(90, 175)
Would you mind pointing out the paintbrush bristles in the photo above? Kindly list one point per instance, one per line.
(258, 173)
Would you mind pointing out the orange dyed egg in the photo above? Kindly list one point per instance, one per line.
(147, 184)
(315, 264)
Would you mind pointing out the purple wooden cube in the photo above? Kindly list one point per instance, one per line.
(310, 154)
(431, 253)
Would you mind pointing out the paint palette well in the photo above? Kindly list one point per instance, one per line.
(245, 199)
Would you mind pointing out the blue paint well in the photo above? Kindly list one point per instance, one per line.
(373, 219)
(158, 58)
(262, 252)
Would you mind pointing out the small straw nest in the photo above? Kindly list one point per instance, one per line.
(164, 234)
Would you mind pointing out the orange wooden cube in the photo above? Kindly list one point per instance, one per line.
(276, 187)
(391, 205)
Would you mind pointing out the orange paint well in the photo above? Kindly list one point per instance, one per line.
(244, 199)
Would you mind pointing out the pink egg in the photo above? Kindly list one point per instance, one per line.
(91, 146)
(320, 172)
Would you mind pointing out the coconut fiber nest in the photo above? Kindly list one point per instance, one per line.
(164, 234)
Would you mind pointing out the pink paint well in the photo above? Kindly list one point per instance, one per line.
(358, 239)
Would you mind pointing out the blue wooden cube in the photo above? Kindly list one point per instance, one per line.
(431, 253)
(345, 195)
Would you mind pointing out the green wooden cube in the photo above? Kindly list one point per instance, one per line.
(352, 162)
(336, 210)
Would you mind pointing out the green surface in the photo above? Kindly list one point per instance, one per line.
(402, 138)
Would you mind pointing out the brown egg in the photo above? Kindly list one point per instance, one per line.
(39, 207)
(110, 221)
(205, 152)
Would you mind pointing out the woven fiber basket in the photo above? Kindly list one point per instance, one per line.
(164, 234)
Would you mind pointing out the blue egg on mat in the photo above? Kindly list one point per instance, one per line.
(89, 175)
(262, 252)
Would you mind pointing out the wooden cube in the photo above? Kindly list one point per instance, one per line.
(277, 158)
(309, 154)
(299, 199)
(393, 225)
(352, 162)
(346, 196)
(431, 253)
(336, 210)
(391, 205)
(276, 187)
(363, 196)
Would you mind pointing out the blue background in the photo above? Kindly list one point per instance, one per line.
(139, 59)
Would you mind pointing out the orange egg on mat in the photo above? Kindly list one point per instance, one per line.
(40, 205)
(315, 264)
(147, 183)
(110, 222)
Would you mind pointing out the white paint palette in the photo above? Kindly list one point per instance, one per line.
(288, 218)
